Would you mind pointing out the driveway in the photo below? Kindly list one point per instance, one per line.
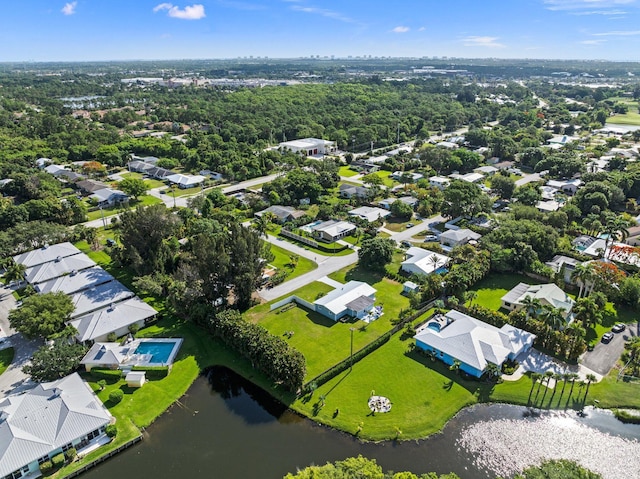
(424, 225)
(13, 380)
(537, 362)
(604, 356)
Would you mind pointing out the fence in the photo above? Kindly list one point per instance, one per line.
(343, 365)
(103, 458)
(310, 242)
(295, 299)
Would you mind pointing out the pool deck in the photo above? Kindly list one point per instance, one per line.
(124, 355)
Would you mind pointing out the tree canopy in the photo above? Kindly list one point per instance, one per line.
(56, 361)
(42, 315)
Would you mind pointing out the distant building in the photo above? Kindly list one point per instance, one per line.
(370, 213)
(108, 197)
(459, 237)
(309, 146)
(332, 230)
(439, 182)
(353, 191)
(185, 181)
(352, 299)
(282, 213)
(423, 262)
(548, 294)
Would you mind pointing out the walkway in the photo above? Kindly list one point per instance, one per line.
(13, 380)
(331, 282)
(537, 362)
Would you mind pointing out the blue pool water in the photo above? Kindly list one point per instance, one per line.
(160, 351)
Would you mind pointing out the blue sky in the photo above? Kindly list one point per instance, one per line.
(52, 30)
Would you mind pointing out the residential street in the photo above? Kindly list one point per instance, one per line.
(13, 380)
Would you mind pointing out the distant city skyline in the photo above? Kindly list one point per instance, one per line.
(86, 30)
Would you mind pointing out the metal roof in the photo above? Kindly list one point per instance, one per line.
(56, 268)
(75, 281)
(46, 254)
(46, 418)
(99, 297)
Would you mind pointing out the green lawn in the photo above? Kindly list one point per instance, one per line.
(6, 356)
(283, 260)
(146, 200)
(495, 286)
(317, 251)
(346, 171)
(386, 181)
(396, 224)
(151, 183)
(630, 118)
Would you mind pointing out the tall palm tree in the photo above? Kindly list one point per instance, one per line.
(15, 272)
(532, 305)
(591, 378)
(492, 370)
(535, 377)
(583, 274)
(617, 229)
(435, 261)
(547, 378)
(573, 378)
(554, 317)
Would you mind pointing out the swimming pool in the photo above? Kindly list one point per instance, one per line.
(162, 352)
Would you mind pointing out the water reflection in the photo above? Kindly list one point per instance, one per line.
(227, 427)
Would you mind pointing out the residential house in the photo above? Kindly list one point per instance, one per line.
(48, 420)
(566, 186)
(564, 265)
(309, 146)
(152, 160)
(547, 294)
(409, 287)
(75, 281)
(486, 170)
(412, 176)
(42, 162)
(408, 200)
(364, 167)
(475, 344)
(185, 181)
(549, 206)
(332, 230)
(469, 177)
(140, 166)
(370, 213)
(634, 236)
(282, 213)
(449, 145)
(159, 173)
(58, 267)
(439, 182)
(108, 197)
(355, 299)
(68, 175)
(458, 237)
(214, 175)
(421, 261)
(53, 169)
(91, 186)
(46, 254)
(116, 318)
(98, 297)
(353, 191)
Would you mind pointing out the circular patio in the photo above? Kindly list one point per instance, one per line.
(379, 404)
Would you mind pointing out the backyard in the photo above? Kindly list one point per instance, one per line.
(282, 260)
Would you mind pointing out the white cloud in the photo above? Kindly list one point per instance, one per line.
(190, 12)
(618, 33)
(422, 29)
(69, 8)
(488, 42)
(590, 5)
(592, 42)
(322, 12)
(400, 29)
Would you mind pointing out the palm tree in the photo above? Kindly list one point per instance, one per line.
(534, 379)
(15, 272)
(261, 224)
(470, 296)
(565, 378)
(293, 260)
(554, 318)
(492, 370)
(532, 305)
(435, 261)
(573, 378)
(583, 274)
(591, 378)
(616, 228)
(586, 310)
(455, 366)
(548, 376)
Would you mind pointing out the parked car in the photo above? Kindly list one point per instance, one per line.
(618, 328)
(607, 337)
(111, 242)
(18, 303)
(410, 225)
(406, 244)
(430, 238)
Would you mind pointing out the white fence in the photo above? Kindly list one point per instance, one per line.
(295, 299)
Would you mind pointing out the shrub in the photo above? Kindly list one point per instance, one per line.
(112, 338)
(116, 396)
(102, 384)
(111, 430)
(71, 454)
(134, 328)
(57, 460)
(45, 467)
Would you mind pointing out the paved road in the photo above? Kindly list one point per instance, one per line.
(604, 356)
(13, 380)
(528, 179)
(418, 228)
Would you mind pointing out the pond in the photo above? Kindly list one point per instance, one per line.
(227, 427)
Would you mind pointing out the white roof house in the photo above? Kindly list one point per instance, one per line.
(185, 181)
(41, 422)
(458, 237)
(457, 336)
(75, 281)
(46, 254)
(469, 177)
(370, 213)
(99, 297)
(58, 267)
(109, 196)
(408, 200)
(309, 146)
(566, 186)
(548, 294)
(53, 169)
(422, 261)
(117, 318)
(549, 206)
(486, 170)
(439, 182)
(333, 230)
(355, 298)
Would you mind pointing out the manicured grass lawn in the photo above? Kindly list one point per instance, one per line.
(352, 240)
(146, 200)
(346, 171)
(495, 286)
(630, 118)
(6, 356)
(388, 292)
(396, 224)
(282, 260)
(386, 181)
(151, 183)
(344, 252)
(185, 191)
